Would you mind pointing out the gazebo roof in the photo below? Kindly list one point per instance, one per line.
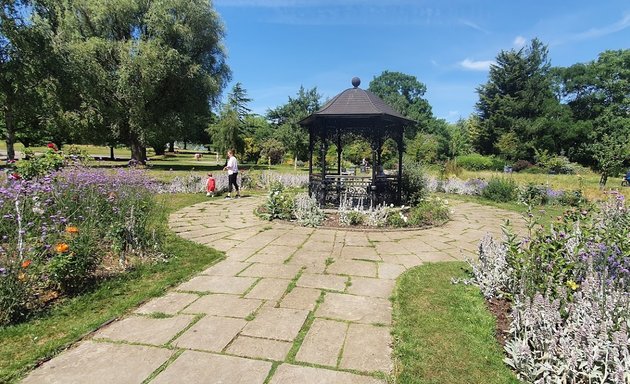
(357, 103)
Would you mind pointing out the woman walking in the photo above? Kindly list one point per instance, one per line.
(232, 170)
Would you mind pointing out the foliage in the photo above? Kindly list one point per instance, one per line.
(501, 189)
(554, 164)
(533, 194)
(570, 299)
(414, 185)
(521, 165)
(351, 217)
(429, 212)
(573, 198)
(285, 120)
(405, 94)
(58, 229)
(306, 210)
(610, 146)
(272, 151)
(477, 162)
(279, 204)
(39, 165)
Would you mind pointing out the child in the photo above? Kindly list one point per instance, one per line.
(210, 185)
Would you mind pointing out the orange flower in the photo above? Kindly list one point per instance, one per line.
(62, 247)
(26, 263)
(72, 229)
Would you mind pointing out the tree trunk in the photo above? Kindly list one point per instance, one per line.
(159, 150)
(138, 152)
(185, 144)
(10, 126)
(171, 146)
(603, 179)
(111, 154)
(295, 162)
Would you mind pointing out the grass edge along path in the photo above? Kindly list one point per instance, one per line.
(443, 332)
(23, 345)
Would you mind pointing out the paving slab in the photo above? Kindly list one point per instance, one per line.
(323, 342)
(390, 271)
(145, 330)
(268, 289)
(330, 282)
(359, 253)
(211, 333)
(92, 362)
(361, 309)
(276, 323)
(301, 298)
(353, 268)
(367, 348)
(364, 286)
(217, 284)
(223, 305)
(198, 367)
(282, 271)
(260, 348)
(292, 374)
(269, 258)
(170, 304)
(226, 268)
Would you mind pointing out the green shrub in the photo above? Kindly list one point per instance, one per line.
(40, 165)
(279, 204)
(574, 198)
(533, 194)
(521, 165)
(500, 189)
(14, 294)
(352, 218)
(477, 162)
(397, 220)
(414, 183)
(432, 211)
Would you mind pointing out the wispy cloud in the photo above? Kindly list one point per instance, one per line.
(475, 65)
(473, 25)
(594, 33)
(519, 41)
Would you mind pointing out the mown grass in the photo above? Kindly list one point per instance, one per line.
(443, 332)
(22, 346)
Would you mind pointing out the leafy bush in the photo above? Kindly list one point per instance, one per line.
(570, 291)
(501, 190)
(477, 162)
(432, 211)
(574, 198)
(306, 210)
(521, 165)
(533, 194)
(39, 165)
(414, 184)
(279, 204)
(354, 217)
(398, 220)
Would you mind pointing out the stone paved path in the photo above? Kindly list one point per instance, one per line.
(287, 305)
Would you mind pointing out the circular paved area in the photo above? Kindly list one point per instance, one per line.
(288, 304)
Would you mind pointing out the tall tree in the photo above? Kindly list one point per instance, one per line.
(517, 95)
(405, 94)
(285, 119)
(228, 132)
(151, 70)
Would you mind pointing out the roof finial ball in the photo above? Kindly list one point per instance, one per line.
(356, 82)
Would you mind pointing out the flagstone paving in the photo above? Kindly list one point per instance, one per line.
(287, 305)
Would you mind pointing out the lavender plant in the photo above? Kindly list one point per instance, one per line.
(307, 211)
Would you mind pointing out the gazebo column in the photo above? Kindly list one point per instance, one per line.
(311, 144)
(338, 134)
(323, 151)
(401, 149)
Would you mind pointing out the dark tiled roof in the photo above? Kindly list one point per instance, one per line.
(356, 103)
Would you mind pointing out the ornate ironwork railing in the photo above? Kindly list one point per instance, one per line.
(330, 190)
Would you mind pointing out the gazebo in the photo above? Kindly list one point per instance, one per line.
(354, 112)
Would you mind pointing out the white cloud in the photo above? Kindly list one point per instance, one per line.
(519, 41)
(472, 65)
(593, 33)
(474, 26)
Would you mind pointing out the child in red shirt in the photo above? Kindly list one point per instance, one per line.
(210, 185)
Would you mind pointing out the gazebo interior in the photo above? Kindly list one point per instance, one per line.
(354, 113)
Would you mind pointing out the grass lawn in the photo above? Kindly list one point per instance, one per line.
(443, 332)
(23, 345)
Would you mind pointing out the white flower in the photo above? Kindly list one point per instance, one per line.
(38, 211)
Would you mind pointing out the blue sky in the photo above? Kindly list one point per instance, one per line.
(274, 46)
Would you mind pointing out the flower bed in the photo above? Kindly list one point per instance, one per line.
(569, 286)
(59, 232)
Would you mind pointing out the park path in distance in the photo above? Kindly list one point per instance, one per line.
(288, 304)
